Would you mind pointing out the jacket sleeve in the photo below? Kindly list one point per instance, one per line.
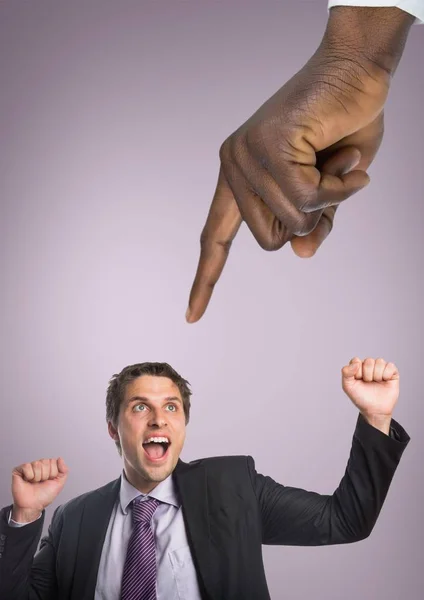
(24, 576)
(292, 516)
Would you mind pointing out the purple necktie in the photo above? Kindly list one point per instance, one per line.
(139, 578)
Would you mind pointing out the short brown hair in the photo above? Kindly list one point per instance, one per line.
(118, 383)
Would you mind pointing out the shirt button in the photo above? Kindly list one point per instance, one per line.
(2, 536)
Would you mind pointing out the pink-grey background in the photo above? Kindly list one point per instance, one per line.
(111, 117)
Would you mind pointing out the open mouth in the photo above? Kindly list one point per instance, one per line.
(156, 450)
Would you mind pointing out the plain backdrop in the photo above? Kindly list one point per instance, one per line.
(111, 116)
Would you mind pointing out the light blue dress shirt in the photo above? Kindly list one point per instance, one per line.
(176, 576)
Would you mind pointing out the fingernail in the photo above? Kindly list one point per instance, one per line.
(355, 163)
(188, 315)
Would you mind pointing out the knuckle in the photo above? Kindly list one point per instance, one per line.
(269, 244)
(204, 237)
(225, 245)
(329, 219)
(225, 151)
(208, 239)
(305, 202)
(301, 225)
(237, 149)
(300, 228)
(207, 235)
(303, 195)
(309, 203)
(252, 138)
(209, 283)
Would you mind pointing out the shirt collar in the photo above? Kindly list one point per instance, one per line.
(164, 492)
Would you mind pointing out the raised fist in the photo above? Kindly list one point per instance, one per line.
(35, 485)
(372, 385)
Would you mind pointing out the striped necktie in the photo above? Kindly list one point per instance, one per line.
(139, 577)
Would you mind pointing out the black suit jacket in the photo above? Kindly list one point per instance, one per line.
(230, 511)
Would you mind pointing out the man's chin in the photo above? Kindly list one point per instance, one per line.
(157, 477)
(158, 472)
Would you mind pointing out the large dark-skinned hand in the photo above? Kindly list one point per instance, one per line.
(307, 149)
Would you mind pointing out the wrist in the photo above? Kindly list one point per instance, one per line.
(374, 37)
(380, 422)
(24, 515)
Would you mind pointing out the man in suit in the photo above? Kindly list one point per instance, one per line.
(170, 530)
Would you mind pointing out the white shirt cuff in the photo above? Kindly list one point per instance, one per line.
(413, 7)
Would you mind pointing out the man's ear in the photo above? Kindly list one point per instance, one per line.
(112, 432)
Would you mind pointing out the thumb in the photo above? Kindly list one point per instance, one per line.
(333, 190)
(340, 163)
(338, 179)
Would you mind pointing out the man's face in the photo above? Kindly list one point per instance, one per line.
(151, 429)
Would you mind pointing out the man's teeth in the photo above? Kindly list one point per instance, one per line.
(157, 440)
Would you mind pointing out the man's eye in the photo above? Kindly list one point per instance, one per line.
(141, 406)
(172, 407)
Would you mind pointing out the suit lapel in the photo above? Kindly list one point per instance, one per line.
(191, 480)
(93, 527)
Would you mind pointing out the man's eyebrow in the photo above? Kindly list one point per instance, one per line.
(144, 399)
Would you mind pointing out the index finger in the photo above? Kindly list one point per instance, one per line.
(62, 468)
(222, 224)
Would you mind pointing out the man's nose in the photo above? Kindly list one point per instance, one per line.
(157, 419)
